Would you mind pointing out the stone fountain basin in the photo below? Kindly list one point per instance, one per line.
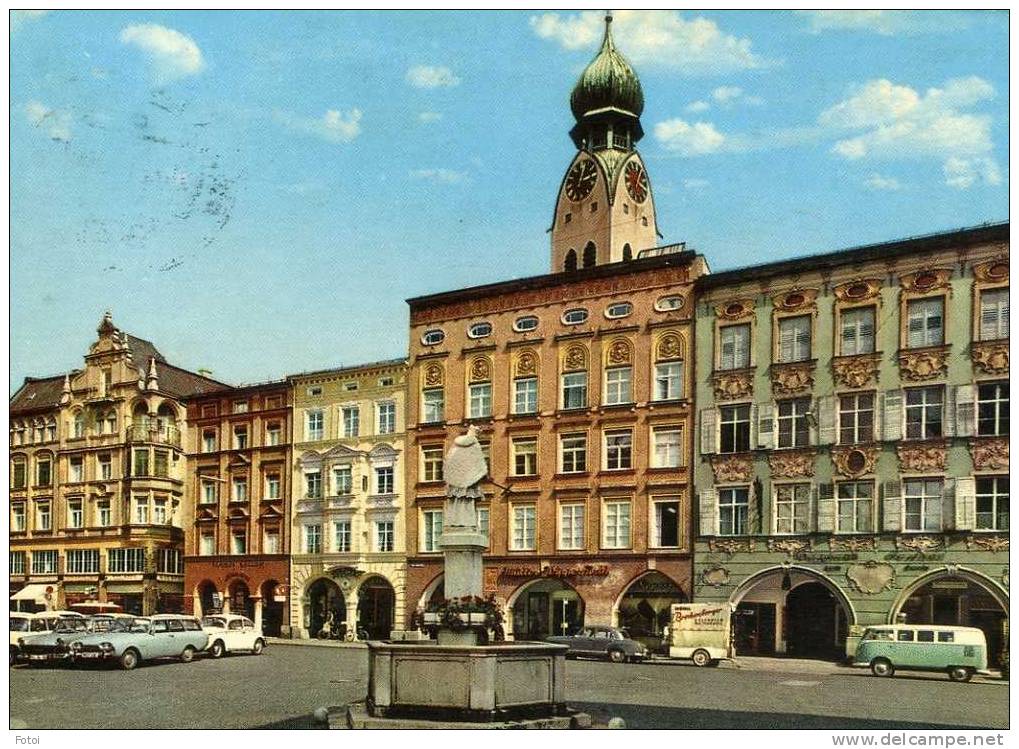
(466, 682)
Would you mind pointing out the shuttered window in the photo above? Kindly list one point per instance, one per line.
(992, 503)
(923, 500)
(926, 320)
(992, 409)
(855, 507)
(734, 341)
(794, 339)
(856, 418)
(994, 314)
(792, 508)
(733, 507)
(857, 331)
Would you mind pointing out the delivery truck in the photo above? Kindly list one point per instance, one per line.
(701, 632)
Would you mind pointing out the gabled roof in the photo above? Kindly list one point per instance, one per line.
(185, 384)
(37, 394)
(142, 350)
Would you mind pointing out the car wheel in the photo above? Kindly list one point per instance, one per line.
(217, 649)
(701, 658)
(129, 659)
(960, 673)
(188, 655)
(257, 647)
(617, 656)
(882, 667)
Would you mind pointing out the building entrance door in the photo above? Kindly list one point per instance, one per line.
(754, 629)
(812, 622)
(375, 608)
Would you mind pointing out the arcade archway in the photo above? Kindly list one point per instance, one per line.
(208, 599)
(645, 607)
(241, 601)
(272, 610)
(323, 601)
(376, 607)
(544, 607)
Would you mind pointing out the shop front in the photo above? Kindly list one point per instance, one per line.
(363, 601)
(253, 586)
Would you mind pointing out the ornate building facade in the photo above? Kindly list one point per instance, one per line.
(348, 550)
(580, 384)
(852, 464)
(97, 500)
(239, 475)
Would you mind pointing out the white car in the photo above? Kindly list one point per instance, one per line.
(232, 633)
(25, 626)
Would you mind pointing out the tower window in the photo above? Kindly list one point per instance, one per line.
(567, 218)
(594, 207)
(626, 207)
(627, 252)
(570, 264)
(590, 255)
(643, 220)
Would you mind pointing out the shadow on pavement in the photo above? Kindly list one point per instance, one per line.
(655, 717)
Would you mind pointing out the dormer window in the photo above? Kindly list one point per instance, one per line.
(433, 337)
(480, 330)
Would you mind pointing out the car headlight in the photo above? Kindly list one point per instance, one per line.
(106, 646)
(75, 646)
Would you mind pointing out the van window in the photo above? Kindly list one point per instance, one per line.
(878, 634)
(925, 635)
(905, 635)
(946, 636)
(175, 625)
(160, 625)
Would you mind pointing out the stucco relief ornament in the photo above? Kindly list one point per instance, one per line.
(927, 364)
(433, 375)
(987, 543)
(576, 358)
(855, 461)
(852, 543)
(920, 544)
(731, 546)
(855, 371)
(735, 310)
(788, 465)
(729, 468)
(858, 291)
(871, 577)
(480, 370)
(730, 385)
(789, 546)
(527, 363)
(790, 379)
(669, 347)
(921, 457)
(619, 353)
(993, 271)
(925, 281)
(795, 300)
(716, 577)
(991, 357)
(989, 455)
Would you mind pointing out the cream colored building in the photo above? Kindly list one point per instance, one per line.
(348, 562)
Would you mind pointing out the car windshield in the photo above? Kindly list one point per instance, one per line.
(20, 625)
(70, 624)
(214, 621)
(114, 625)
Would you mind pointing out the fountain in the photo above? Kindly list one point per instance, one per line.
(462, 680)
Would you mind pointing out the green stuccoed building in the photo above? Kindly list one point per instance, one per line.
(851, 449)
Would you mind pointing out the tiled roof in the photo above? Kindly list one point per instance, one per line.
(36, 394)
(185, 384)
(142, 350)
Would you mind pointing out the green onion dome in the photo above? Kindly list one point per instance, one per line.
(608, 82)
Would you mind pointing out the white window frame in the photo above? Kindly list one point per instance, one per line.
(790, 497)
(311, 538)
(385, 414)
(44, 562)
(848, 493)
(104, 513)
(931, 505)
(740, 511)
(76, 470)
(573, 451)
(994, 497)
(479, 400)
(998, 403)
(857, 330)
(617, 525)
(75, 513)
(574, 384)
(431, 524)
(314, 425)
(993, 320)
(735, 409)
(343, 536)
(351, 420)
(618, 385)
(529, 453)
(666, 440)
(343, 480)
(794, 339)
(385, 535)
(206, 543)
(572, 519)
(618, 455)
(525, 395)
(923, 409)
(432, 463)
(385, 479)
(925, 322)
(799, 410)
(272, 485)
(734, 346)
(309, 483)
(668, 384)
(433, 409)
(849, 418)
(524, 532)
(656, 524)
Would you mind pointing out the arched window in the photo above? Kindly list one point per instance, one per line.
(571, 261)
(590, 253)
(627, 253)
(78, 424)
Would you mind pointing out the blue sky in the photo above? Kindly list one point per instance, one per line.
(258, 193)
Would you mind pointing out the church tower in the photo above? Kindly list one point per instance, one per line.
(604, 211)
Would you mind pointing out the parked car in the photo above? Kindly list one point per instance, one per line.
(51, 644)
(602, 642)
(232, 633)
(958, 651)
(24, 625)
(131, 640)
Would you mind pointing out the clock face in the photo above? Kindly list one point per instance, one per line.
(636, 181)
(581, 180)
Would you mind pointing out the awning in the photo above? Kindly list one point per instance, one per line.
(35, 592)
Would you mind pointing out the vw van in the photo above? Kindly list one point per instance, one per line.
(958, 651)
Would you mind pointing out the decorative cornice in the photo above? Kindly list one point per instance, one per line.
(926, 280)
(992, 271)
(917, 365)
(853, 462)
(990, 357)
(731, 546)
(796, 300)
(789, 546)
(858, 291)
(852, 543)
(732, 468)
(922, 457)
(791, 464)
(790, 379)
(920, 544)
(991, 543)
(738, 309)
(989, 454)
(733, 384)
(856, 371)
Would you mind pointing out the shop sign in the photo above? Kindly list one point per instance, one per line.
(898, 556)
(238, 563)
(578, 570)
(950, 585)
(806, 556)
(279, 594)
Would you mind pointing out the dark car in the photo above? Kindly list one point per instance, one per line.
(603, 642)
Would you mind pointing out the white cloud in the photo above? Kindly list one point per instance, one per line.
(698, 106)
(55, 123)
(172, 54)
(334, 126)
(429, 117)
(661, 38)
(695, 183)
(431, 76)
(884, 22)
(726, 94)
(20, 17)
(439, 176)
(883, 120)
(879, 182)
(681, 137)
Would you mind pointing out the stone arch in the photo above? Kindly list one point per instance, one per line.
(627, 252)
(993, 588)
(753, 580)
(619, 352)
(431, 589)
(376, 606)
(590, 255)
(522, 621)
(570, 263)
(203, 597)
(649, 616)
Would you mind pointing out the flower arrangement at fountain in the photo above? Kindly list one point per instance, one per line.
(459, 614)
